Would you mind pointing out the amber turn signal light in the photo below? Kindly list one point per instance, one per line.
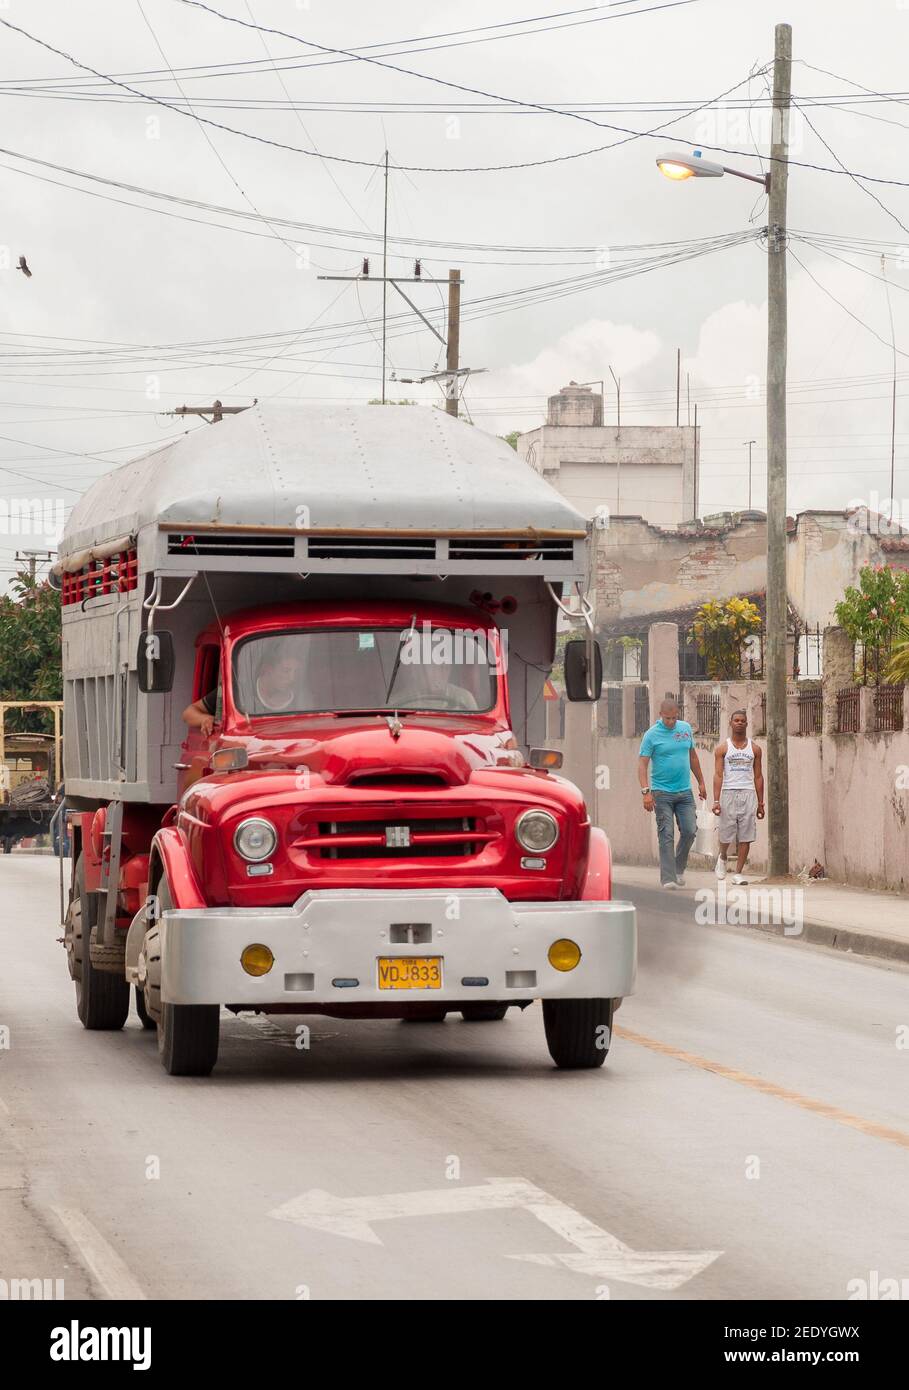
(257, 960)
(564, 954)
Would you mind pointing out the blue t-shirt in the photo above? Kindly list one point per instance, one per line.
(669, 752)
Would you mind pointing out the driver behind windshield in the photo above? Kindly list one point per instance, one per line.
(275, 689)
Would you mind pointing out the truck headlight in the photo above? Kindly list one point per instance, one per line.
(536, 831)
(255, 839)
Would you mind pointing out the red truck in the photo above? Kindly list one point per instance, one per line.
(322, 787)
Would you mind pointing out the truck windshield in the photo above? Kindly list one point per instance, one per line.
(442, 669)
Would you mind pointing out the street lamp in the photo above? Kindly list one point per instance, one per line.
(683, 166)
(678, 167)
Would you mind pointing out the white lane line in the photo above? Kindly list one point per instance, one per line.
(4, 1108)
(102, 1260)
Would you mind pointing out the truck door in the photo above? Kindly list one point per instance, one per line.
(195, 749)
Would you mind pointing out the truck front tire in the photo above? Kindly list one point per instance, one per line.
(188, 1034)
(102, 999)
(578, 1031)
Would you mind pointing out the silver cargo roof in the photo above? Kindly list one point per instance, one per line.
(395, 468)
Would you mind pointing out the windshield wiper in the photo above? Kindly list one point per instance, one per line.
(400, 652)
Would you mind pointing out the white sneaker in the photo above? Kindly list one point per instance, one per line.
(719, 867)
(671, 884)
(679, 881)
(739, 879)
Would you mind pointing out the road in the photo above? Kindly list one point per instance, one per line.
(748, 1138)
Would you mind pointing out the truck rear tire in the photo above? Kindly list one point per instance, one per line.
(102, 999)
(578, 1031)
(483, 1013)
(188, 1034)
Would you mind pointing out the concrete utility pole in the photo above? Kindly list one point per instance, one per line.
(451, 342)
(777, 598)
(453, 349)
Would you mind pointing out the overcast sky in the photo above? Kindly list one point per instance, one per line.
(139, 303)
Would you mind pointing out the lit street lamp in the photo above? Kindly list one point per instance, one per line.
(682, 166)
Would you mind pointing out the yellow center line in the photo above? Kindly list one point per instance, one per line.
(769, 1088)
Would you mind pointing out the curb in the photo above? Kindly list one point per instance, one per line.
(815, 932)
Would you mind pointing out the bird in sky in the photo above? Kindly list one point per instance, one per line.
(23, 266)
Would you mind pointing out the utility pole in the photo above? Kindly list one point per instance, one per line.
(893, 397)
(217, 411)
(453, 349)
(451, 342)
(777, 596)
(32, 557)
(385, 280)
(678, 385)
(750, 443)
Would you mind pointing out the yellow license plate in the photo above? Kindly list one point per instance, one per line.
(410, 972)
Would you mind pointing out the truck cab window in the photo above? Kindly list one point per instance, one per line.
(365, 668)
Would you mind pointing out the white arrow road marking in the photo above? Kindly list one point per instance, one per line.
(599, 1254)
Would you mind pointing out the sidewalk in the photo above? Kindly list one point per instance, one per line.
(859, 920)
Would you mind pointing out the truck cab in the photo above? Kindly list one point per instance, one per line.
(367, 825)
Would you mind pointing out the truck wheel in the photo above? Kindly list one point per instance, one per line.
(483, 1013)
(578, 1031)
(102, 999)
(188, 1034)
(145, 1017)
(188, 1038)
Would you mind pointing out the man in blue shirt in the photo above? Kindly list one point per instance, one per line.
(666, 762)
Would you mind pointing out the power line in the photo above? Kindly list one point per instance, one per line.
(628, 134)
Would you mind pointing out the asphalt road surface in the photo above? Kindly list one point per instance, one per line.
(748, 1137)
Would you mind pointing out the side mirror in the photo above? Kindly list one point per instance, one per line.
(155, 662)
(576, 671)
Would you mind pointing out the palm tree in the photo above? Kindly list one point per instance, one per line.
(897, 672)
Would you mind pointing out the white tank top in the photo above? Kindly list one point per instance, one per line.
(738, 767)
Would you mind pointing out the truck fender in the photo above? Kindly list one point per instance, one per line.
(597, 885)
(169, 858)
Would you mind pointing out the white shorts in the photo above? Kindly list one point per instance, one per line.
(738, 816)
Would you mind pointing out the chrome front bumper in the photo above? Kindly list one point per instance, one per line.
(326, 948)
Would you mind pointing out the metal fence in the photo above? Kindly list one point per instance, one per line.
(847, 710)
(888, 708)
(641, 709)
(708, 713)
(811, 710)
(872, 659)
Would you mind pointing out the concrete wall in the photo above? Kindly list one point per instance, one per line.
(848, 793)
(848, 803)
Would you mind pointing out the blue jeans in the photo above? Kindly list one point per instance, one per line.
(669, 807)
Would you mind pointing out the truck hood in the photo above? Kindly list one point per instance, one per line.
(371, 750)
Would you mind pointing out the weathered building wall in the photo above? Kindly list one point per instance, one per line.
(643, 569)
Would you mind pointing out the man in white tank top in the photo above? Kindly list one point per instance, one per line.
(738, 794)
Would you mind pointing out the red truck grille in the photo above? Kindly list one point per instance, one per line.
(454, 837)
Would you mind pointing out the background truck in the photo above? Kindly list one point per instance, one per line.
(365, 600)
(29, 764)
